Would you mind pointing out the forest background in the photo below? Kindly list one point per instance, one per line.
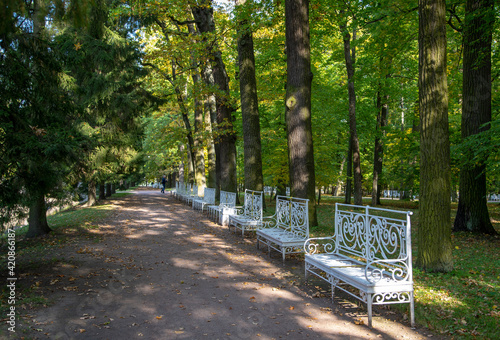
(106, 91)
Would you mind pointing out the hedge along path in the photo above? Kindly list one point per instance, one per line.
(163, 271)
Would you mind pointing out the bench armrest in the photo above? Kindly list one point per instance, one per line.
(395, 270)
(269, 221)
(239, 210)
(319, 245)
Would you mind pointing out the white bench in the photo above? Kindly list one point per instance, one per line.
(288, 229)
(370, 251)
(221, 212)
(176, 190)
(249, 216)
(180, 190)
(192, 195)
(208, 198)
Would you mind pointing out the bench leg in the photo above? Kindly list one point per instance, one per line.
(369, 307)
(412, 311)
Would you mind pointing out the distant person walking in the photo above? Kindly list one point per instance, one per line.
(163, 182)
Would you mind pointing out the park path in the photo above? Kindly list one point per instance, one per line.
(160, 270)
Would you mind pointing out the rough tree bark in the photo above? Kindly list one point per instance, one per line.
(199, 162)
(298, 104)
(249, 104)
(203, 15)
(472, 214)
(434, 234)
(210, 122)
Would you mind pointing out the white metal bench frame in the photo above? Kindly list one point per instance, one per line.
(249, 216)
(370, 251)
(221, 212)
(208, 198)
(192, 195)
(288, 229)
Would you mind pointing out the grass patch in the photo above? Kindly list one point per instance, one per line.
(464, 303)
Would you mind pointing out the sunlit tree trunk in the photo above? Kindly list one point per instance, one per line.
(472, 214)
(434, 233)
(211, 155)
(199, 152)
(298, 104)
(211, 115)
(203, 16)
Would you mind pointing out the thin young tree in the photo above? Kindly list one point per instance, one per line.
(434, 234)
(350, 60)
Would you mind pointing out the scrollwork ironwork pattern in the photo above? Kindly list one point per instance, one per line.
(391, 297)
(351, 232)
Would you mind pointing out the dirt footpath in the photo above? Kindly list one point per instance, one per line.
(159, 270)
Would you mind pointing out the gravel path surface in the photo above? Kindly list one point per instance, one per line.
(159, 270)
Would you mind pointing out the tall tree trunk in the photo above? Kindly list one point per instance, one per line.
(211, 110)
(108, 189)
(249, 104)
(203, 16)
(350, 59)
(37, 219)
(180, 96)
(378, 156)
(199, 152)
(211, 154)
(92, 193)
(298, 104)
(472, 214)
(434, 234)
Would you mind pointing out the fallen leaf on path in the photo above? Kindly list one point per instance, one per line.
(159, 317)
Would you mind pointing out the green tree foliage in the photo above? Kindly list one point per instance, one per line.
(40, 132)
(106, 68)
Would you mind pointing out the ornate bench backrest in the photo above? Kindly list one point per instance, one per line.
(195, 190)
(379, 237)
(292, 214)
(209, 195)
(253, 205)
(227, 199)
